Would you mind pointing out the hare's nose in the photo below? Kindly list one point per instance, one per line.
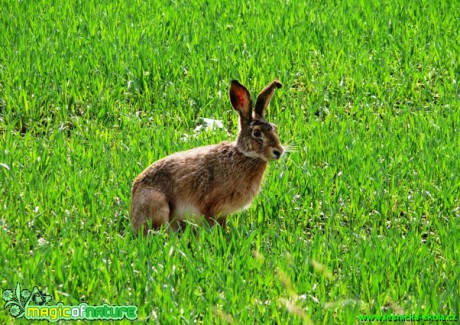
(277, 153)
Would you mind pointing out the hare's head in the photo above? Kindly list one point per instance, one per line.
(257, 137)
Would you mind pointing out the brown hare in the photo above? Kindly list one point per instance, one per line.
(212, 181)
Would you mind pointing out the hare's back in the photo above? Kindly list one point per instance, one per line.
(183, 170)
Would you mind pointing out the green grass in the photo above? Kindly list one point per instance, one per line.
(363, 217)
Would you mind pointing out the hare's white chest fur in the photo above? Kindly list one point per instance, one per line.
(187, 211)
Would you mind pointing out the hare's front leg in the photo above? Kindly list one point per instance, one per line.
(222, 221)
(149, 209)
(212, 220)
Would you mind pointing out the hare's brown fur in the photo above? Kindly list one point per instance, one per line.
(212, 181)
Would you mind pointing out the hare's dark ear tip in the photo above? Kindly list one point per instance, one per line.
(277, 83)
(235, 83)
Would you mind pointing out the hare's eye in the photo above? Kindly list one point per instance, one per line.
(257, 133)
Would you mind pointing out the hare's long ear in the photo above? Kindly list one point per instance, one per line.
(264, 98)
(241, 102)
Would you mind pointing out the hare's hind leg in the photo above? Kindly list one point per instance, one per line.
(150, 209)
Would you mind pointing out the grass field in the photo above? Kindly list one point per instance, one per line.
(361, 218)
